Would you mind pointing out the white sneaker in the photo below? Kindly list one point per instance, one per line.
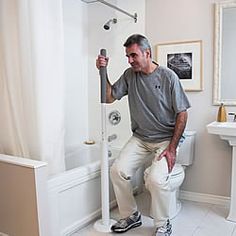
(164, 230)
(130, 222)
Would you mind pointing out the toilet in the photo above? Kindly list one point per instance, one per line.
(184, 159)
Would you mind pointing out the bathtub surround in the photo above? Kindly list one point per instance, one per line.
(32, 81)
(113, 41)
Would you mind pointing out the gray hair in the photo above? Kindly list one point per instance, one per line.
(140, 40)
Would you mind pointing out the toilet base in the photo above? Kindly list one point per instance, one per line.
(175, 211)
(175, 204)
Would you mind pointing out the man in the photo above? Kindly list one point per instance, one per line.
(158, 109)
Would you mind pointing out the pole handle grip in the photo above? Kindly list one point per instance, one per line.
(103, 77)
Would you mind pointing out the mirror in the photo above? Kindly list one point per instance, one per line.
(225, 51)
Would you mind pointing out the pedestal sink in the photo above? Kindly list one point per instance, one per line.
(227, 131)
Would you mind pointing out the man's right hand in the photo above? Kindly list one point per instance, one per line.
(101, 61)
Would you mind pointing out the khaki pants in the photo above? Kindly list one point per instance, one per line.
(134, 154)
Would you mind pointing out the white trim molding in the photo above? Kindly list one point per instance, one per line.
(207, 198)
(218, 38)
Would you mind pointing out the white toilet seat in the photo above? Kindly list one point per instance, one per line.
(177, 170)
(176, 177)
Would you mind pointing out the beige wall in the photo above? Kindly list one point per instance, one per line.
(182, 20)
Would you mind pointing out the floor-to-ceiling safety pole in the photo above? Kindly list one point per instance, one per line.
(104, 225)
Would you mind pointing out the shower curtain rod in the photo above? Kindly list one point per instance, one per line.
(135, 17)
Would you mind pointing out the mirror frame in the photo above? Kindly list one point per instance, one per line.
(218, 53)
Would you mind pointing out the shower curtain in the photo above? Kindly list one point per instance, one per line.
(32, 81)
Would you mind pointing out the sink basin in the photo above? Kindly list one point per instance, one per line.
(227, 131)
(222, 128)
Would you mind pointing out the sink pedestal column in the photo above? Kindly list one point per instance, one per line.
(232, 211)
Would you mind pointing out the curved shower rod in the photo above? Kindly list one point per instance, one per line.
(135, 17)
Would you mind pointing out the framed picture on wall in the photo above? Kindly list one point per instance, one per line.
(185, 59)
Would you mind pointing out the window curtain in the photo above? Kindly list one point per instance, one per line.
(32, 81)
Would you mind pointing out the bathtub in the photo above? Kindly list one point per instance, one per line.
(75, 195)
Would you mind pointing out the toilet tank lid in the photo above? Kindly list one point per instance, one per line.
(189, 133)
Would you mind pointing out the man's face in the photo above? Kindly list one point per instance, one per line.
(136, 58)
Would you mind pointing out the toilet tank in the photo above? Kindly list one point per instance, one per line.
(186, 151)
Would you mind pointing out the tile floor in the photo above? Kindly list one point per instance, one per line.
(195, 219)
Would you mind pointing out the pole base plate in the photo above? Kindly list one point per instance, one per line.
(100, 227)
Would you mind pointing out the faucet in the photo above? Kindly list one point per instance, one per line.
(112, 137)
(232, 114)
(109, 153)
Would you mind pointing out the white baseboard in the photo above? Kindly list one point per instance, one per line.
(3, 234)
(85, 221)
(206, 198)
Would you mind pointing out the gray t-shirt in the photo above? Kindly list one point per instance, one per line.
(154, 101)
